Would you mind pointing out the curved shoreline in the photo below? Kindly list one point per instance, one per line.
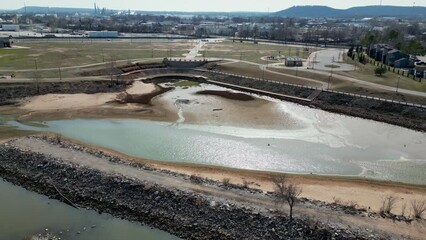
(393, 113)
(185, 213)
(326, 188)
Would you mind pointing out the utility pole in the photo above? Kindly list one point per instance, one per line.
(264, 68)
(331, 75)
(36, 77)
(112, 67)
(397, 84)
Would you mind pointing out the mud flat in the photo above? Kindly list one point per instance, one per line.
(227, 94)
(186, 213)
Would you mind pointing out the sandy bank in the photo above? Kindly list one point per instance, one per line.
(67, 101)
(80, 100)
(345, 190)
(215, 109)
(139, 87)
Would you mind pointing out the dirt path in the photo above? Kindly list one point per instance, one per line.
(259, 202)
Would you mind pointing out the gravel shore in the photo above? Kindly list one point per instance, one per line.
(187, 214)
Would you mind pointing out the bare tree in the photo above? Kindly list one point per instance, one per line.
(388, 204)
(419, 207)
(286, 192)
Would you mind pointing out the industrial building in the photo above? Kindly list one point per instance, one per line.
(10, 28)
(293, 62)
(102, 34)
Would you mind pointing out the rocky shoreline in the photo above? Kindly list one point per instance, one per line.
(187, 214)
(389, 112)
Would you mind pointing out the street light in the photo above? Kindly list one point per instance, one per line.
(397, 84)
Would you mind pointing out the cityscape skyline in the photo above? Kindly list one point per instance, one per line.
(206, 5)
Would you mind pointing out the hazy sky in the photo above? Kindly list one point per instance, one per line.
(205, 5)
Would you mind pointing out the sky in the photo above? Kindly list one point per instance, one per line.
(204, 5)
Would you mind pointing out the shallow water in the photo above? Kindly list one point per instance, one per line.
(327, 143)
(24, 213)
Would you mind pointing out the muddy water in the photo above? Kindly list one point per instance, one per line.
(325, 143)
(24, 213)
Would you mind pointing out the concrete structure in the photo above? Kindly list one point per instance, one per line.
(184, 63)
(102, 34)
(293, 62)
(10, 28)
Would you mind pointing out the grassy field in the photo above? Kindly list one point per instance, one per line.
(64, 54)
(253, 52)
(254, 71)
(335, 83)
(186, 84)
(366, 73)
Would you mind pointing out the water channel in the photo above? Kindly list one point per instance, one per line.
(316, 142)
(328, 144)
(24, 213)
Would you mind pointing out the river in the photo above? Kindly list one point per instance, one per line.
(24, 213)
(325, 143)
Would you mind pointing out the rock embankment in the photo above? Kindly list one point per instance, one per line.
(10, 93)
(390, 112)
(187, 214)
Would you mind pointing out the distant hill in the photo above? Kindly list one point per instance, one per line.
(310, 11)
(367, 11)
(296, 11)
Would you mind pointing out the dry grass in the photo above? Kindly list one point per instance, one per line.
(366, 73)
(64, 54)
(249, 51)
(254, 71)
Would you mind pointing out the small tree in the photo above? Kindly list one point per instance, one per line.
(380, 71)
(286, 192)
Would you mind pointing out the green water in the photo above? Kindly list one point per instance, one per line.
(24, 213)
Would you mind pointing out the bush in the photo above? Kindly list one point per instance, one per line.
(226, 181)
(380, 71)
(195, 179)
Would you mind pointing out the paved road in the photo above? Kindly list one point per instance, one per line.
(321, 60)
(194, 52)
(364, 83)
(264, 67)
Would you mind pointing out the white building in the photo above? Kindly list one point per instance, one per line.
(102, 34)
(10, 28)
